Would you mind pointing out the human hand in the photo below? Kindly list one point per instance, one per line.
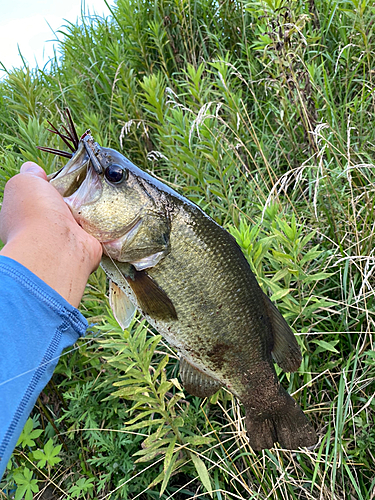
(40, 232)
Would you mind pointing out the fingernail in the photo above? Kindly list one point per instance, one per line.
(31, 168)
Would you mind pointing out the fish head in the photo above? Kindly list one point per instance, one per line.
(116, 202)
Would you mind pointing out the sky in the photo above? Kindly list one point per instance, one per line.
(30, 25)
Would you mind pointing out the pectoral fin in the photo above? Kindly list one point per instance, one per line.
(151, 298)
(196, 382)
(123, 309)
(286, 351)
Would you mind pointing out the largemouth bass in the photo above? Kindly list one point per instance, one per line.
(191, 281)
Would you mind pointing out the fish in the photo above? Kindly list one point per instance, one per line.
(166, 258)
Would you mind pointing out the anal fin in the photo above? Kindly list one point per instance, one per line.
(196, 382)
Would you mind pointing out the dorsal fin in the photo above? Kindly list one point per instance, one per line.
(286, 351)
(196, 382)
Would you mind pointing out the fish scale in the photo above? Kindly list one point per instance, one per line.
(213, 296)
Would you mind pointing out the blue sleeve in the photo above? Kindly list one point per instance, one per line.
(36, 324)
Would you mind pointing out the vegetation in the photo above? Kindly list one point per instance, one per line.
(262, 113)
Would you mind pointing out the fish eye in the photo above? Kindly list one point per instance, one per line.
(115, 174)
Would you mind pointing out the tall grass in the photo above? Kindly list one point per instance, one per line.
(261, 113)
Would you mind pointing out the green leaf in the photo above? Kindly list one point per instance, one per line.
(282, 257)
(26, 485)
(197, 440)
(163, 388)
(28, 434)
(154, 446)
(215, 398)
(140, 416)
(51, 453)
(41, 457)
(310, 255)
(81, 487)
(157, 449)
(176, 383)
(280, 294)
(143, 424)
(154, 437)
(29, 494)
(161, 476)
(317, 277)
(129, 392)
(169, 453)
(202, 472)
(282, 273)
(169, 462)
(307, 238)
(20, 492)
(160, 367)
(326, 346)
(174, 399)
(178, 421)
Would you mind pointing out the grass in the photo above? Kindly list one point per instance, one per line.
(261, 113)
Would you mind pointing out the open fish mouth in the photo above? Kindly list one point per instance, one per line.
(89, 190)
(79, 180)
(85, 159)
(69, 179)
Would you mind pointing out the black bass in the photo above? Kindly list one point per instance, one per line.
(191, 281)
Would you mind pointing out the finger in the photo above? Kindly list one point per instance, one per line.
(32, 168)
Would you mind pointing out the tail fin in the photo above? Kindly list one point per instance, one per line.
(287, 425)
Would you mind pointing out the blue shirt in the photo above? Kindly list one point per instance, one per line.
(36, 324)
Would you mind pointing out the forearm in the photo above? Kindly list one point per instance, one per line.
(36, 325)
(51, 258)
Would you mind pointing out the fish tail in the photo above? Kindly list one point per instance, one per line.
(285, 424)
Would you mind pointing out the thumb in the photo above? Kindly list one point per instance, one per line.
(32, 168)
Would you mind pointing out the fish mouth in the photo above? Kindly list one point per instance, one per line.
(69, 178)
(79, 181)
(85, 155)
(89, 157)
(88, 192)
